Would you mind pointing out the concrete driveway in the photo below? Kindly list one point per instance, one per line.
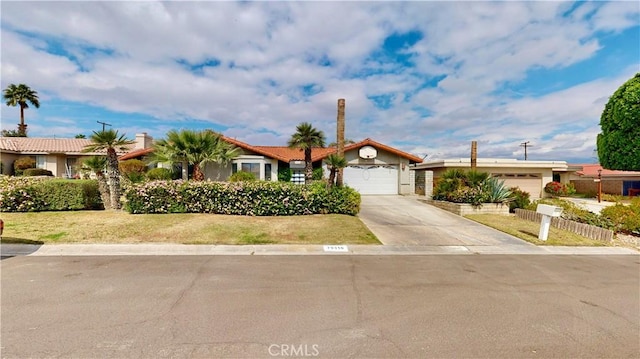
(400, 220)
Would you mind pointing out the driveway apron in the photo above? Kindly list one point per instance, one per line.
(400, 220)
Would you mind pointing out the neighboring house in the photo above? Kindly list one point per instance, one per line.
(529, 176)
(373, 168)
(583, 177)
(62, 156)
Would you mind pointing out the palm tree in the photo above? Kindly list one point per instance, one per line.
(110, 141)
(334, 164)
(196, 148)
(305, 138)
(21, 95)
(97, 164)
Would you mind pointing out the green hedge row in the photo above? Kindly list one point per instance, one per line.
(254, 198)
(33, 194)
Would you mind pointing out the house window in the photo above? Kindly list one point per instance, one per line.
(252, 168)
(267, 171)
(234, 168)
(40, 161)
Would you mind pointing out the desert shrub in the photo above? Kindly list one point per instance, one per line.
(133, 170)
(471, 187)
(559, 189)
(65, 195)
(254, 198)
(19, 194)
(519, 199)
(37, 172)
(573, 212)
(611, 197)
(242, 176)
(33, 194)
(22, 163)
(159, 173)
(625, 218)
(318, 174)
(284, 174)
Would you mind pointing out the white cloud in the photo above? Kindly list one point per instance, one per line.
(276, 48)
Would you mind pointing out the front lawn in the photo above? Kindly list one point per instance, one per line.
(528, 231)
(121, 227)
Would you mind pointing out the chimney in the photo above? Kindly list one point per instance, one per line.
(340, 137)
(143, 141)
(474, 154)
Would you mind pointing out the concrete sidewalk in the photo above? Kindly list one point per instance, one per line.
(10, 250)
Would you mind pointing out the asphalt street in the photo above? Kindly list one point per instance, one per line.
(454, 306)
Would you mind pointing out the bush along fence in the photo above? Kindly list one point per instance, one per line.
(585, 230)
(255, 198)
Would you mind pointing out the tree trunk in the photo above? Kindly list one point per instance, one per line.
(198, 175)
(103, 187)
(114, 178)
(308, 166)
(22, 128)
(332, 176)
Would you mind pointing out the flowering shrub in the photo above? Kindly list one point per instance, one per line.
(559, 189)
(253, 198)
(625, 218)
(33, 194)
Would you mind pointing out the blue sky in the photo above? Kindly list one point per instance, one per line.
(425, 77)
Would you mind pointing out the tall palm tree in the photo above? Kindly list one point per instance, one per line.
(334, 163)
(196, 148)
(305, 138)
(110, 141)
(97, 164)
(21, 95)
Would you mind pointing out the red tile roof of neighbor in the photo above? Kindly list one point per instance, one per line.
(36, 145)
(591, 170)
(286, 154)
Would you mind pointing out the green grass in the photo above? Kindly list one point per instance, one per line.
(528, 231)
(121, 227)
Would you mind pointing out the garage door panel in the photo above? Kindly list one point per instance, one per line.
(531, 185)
(372, 179)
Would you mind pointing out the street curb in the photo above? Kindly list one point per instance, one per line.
(10, 250)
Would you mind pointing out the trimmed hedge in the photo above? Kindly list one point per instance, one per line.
(37, 172)
(255, 198)
(35, 194)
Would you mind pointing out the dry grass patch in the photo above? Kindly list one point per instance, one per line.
(528, 231)
(121, 227)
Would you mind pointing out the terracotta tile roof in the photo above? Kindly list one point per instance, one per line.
(34, 145)
(591, 170)
(136, 153)
(286, 154)
(378, 145)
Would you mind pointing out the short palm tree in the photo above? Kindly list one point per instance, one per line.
(97, 164)
(21, 95)
(305, 138)
(196, 148)
(334, 163)
(110, 141)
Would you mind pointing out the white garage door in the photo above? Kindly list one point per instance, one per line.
(372, 179)
(527, 183)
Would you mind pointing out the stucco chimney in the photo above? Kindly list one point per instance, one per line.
(143, 141)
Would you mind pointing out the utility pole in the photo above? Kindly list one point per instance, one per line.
(525, 145)
(103, 124)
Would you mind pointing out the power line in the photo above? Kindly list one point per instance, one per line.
(103, 124)
(525, 145)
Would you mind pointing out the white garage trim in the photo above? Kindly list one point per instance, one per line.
(372, 179)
